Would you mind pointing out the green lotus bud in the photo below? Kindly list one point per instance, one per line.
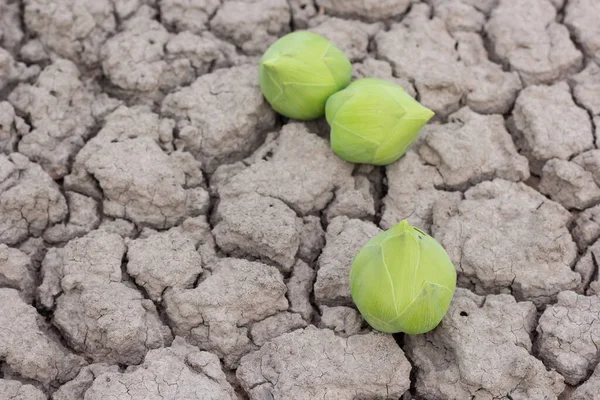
(374, 121)
(402, 280)
(299, 72)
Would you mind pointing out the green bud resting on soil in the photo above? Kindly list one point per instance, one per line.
(402, 280)
(373, 121)
(299, 72)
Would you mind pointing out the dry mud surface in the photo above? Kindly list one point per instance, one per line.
(165, 235)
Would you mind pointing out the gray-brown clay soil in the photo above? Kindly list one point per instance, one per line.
(165, 235)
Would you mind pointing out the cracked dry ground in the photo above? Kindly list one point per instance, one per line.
(165, 235)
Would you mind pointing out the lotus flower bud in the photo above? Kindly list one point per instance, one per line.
(374, 121)
(402, 280)
(299, 72)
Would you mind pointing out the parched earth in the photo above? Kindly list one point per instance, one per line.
(165, 235)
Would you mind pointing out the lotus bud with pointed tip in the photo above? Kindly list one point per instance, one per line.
(402, 280)
(373, 121)
(299, 72)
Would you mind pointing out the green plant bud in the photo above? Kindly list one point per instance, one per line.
(402, 280)
(299, 72)
(373, 121)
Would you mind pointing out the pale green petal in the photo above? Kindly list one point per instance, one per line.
(350, 144)
(372, 286)
(427, 309)
(377, 111)
(300, 71)
(438, 267)
(372, 115)
(334, 104)
(340, 69)
(402, 280)
(403, 255)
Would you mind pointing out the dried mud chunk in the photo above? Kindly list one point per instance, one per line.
(314, 363)
(302, 11)
(590, 389)
(482, 350)
(12, 71)
(129, 123)
(225, 171)
(27, 349)
(35, 248)
(569, 184)
(590, 161)
(9, 69)
(215, 315)
(344, 321)
(144, 61)
(586, 88)
(580, 18)
(312, 239)
(459, 15)
(94, 258)
(352, 37)
(484, 6)
(188, 15)
(276, 325)
(110, 322)
(166, 259)
(252, 24)
(524, 246)
(222, 116)
(353, 203)
(548, 124)
(413, 191)
(84, 217)
(301, 170)
(344, 238)
(525, 36)
(587, 267)
(133, 60)
(569, 335)
(472, 148)
(60, 107)
(491, 89)
(118, 226)
(11, 33)
(16, 272)
(15, 390)
(299, 288)
(373, 68)
(97, 314)
(12, 127)
(204, 52)
(258, 226)
(198, 230)
(428, 57)
(71, 29)
(75, 389)
(143, 184)
(587, 227)
(30, 201)
(371, 10)
(178, 372)
(121, 125)
(33, 52)
(134, 8)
